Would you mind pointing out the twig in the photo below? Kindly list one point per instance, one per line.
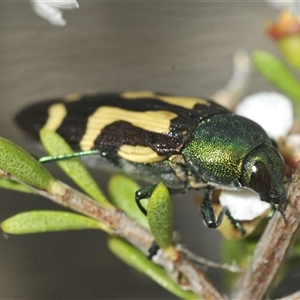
(119, 224)
(208, 263)
(272, 247)
(200, 284)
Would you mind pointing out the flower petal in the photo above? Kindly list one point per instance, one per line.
(50, 10)
(45, 11)
(65, 4)
(271, 110)
(243, 205)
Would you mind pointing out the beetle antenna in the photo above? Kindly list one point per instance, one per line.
(52, 158)
(282, 213)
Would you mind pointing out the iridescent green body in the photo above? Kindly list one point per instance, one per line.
(219, 147)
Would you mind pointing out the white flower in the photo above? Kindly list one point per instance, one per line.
(291, 149)
(271, 110)
(51, 10)
(294, 139)
(243, 205)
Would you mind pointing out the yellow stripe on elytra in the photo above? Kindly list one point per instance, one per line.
(154, 121)
(57, 113)
(185, 102)
(139, 154)
(72, 97)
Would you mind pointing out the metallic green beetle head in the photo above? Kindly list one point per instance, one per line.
(263, 172)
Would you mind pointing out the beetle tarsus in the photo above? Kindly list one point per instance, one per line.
(210, 217)
(153, 250)
(236, 223)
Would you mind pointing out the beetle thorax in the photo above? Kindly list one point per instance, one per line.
(219, 146)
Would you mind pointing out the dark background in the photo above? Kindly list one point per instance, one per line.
(174, 47)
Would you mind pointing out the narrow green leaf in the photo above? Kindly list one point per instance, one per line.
(13, 185)
(122, 192)
(290, 48)
(56, 145)
(279, 75)
(22, 165)
(45, 221)
(160, 216)
(136, 259)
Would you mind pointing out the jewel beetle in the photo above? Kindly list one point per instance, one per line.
(185, 142)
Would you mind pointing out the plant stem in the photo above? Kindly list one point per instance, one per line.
(272, 247)
(119, 224)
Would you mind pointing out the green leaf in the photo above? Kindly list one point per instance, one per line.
(13, 185)
(136, 259)
(296, 247)
(22, 165)
(290, 48)
(122, 192)
(45, 221)
(160, 216)
(56, 145)
(279, 75)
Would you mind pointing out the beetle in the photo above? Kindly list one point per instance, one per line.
(185, 142)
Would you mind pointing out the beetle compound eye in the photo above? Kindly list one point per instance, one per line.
(260, 179)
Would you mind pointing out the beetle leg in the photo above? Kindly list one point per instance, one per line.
(141, 194)
(153, 250)
(208, 212)
(236, 223)
(146, 192)
(209, 216)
